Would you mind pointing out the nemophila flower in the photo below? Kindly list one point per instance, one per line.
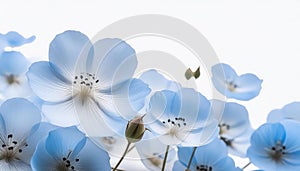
(69, 149)
(13, 81)
(276, 146)
(181, 117)
(227, 82)
(289, 111)
(13, 39)
(20, 132)
(210, 157)
(152, 153)
(92, 81)
(235, 128)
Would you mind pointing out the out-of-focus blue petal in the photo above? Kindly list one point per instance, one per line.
(236, 116)
(44, 80)
(19, 116)
(248, 87)
(114, 61)
(178, 166)
(227, 163)
(41, 159)
(227, 82)
(184, 155)
(289, 111)
(67, 51)
(14, 39)
(62, 140)
(239, 145)
(157, 82)
(38, 132)
(15, 165)
(13, 63)
(91, 157)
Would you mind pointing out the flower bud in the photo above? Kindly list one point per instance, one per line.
(135, 129)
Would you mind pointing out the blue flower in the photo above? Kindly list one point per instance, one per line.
(210, 157)
(13, 81)
(181, 118)
(92, 81)
(227, 82)
(13, 39)
(69, 149)
(289, 111)
(20, 132)
(235, 128)
(276, 146)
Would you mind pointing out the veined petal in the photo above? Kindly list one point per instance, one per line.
(68, 51)
(93, 158)
(114, 60)
(292, 140)
(14, 39)
(13, 62)
(43, 80)
(19, 116)
(62, 141)
(61, 114)
(15, 165)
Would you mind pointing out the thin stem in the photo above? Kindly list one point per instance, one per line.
(191, 158)
(165, 159)
(131, 148)
(125, 152)
(246, 165)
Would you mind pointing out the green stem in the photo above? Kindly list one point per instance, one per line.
(125, 152)
(191, 158)
(165, 159)
(246, 165)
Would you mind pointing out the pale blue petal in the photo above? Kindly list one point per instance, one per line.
(292, 140)
(115, 61)
(92, 157)
(225, 164)
(184, 155)
(157, 82)
(240, 144)
(19, 116)
(41, 159)
(292, 111)
(14, 39)
(13, 63)
(67, 51)
(62, 140)
(16, 165)
(248, 87)
(236, 116)
(43, 80)
(275, 116)
(178, 166)
(38, 132)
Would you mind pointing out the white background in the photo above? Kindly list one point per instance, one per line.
(258, 36)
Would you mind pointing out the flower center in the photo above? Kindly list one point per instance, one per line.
(231, 86)
(84, 86)
(10, 148)
(12, 79)
(227, 141)
(277, 152)
(67, 164)
(175, 125)
(223, 128)
(204, 168)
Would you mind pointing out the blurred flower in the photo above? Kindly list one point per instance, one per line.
(13, 81)
(181, 118)
(20, 132)
(289, 111)
(227, 82)
(152, 153)
(276, 146)
(69, 149)
(13, 39)
(235, 128)
(210, 157)
(92, 81)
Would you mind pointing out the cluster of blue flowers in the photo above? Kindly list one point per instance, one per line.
(70, 112)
